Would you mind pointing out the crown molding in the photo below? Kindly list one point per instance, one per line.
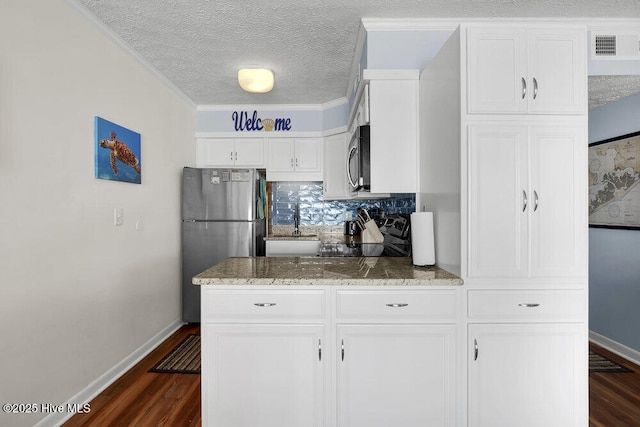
(422, 24)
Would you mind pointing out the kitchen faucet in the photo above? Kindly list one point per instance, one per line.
(296, 220)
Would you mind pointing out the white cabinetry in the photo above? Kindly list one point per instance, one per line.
(528, 366)
(263, 359)
(526, 200)
(393, 114)
(396, 364)
(519, 70)
(335, 186)
(295, 159)
(324, 356)
(225, 152)
(503, 131)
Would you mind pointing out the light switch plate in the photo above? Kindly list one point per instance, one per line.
(117, 217)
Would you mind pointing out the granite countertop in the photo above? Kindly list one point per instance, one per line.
(363, 271)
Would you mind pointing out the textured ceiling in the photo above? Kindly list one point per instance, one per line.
(605, 89)
(199, 45)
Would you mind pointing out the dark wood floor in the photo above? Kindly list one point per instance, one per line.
(614, 398)
(141, 398)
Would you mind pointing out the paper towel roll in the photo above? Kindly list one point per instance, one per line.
(422, 245)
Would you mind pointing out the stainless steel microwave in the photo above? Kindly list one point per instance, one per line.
(358, 166)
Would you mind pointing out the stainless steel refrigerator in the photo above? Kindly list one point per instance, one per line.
(222, 216)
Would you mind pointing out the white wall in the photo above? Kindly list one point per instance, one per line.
(78, 295)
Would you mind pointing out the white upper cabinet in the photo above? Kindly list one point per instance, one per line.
(517, 70)
(335, 186)
(226, 152)
(526, 201)
(295, 159)
(393, 115)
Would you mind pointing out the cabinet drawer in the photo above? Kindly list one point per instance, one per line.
(537, 305)
(400, 305)
(263, 304)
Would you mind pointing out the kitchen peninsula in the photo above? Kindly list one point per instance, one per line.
(320, 341)
(340, 271)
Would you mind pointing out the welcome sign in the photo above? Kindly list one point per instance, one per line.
(243, 121)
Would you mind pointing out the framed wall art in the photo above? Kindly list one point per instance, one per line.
(117, 152)
(614, 182)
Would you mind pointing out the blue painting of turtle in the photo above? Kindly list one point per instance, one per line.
(117, 152)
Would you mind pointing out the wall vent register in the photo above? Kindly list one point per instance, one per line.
(615, 45)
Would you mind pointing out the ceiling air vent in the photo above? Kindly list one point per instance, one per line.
(615, 45)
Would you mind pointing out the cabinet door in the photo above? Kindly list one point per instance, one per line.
(396, 375)
(215, 152)
(557, 71)
(528, 375)
(496, 70)
(394, 135)
(249, 152)
(498, 200)
(558, 199)
(281, 155)
(334, 160)
(308, 156)
(263, 375)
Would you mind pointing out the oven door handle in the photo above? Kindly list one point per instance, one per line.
(351, 151)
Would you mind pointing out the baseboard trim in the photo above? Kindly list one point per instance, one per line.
(105, 380)
(615, 347)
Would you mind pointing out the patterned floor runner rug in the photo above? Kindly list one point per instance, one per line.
(184, 358)
(599, 363)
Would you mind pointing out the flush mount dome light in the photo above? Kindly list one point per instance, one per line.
(256, 80)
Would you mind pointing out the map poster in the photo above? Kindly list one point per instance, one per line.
(614, 182)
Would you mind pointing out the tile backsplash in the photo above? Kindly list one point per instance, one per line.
(314, 210)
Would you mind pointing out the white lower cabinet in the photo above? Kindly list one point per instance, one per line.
(527, 375)
(319, 357)
(263, 375)
(351, 356)
(395, 375)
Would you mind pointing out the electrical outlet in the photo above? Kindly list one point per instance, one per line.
(117, 216)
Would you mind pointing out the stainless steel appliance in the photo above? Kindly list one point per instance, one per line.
(358, 163)
(221, 210)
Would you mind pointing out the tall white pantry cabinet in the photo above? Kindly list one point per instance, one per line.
(503, 166)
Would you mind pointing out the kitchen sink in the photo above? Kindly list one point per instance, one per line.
(293, 246)
(292, 236)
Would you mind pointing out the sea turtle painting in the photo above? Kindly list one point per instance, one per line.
(120, 151)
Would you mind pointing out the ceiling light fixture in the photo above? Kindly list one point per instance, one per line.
(256, 80)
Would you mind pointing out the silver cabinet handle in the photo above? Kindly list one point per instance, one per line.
(296, 162)
(342, 349)
(231, 156)
(528, 304)
(524, 200)
(535, 88)
(236, 155)
(319, 350)
(292, 162)
(264, 304)
(535, 200)
(397, 305)
(524, 88)
(475, 349)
